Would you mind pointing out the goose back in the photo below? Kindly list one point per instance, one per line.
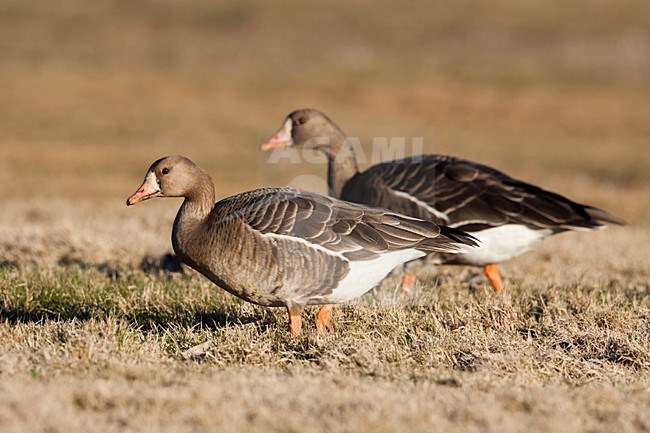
(468, 196)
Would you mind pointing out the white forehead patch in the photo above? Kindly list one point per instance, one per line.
(152, 180)
(285, 132)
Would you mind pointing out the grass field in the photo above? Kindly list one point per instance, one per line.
(93, 335)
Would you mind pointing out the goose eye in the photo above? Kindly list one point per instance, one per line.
(301, 120)
(165, 170)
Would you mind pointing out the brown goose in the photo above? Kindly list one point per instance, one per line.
(506, 215)
(282, 247)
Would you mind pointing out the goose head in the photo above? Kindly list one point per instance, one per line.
(171, 176)
(307, 128)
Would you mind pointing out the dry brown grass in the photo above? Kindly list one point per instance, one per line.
(92, 92)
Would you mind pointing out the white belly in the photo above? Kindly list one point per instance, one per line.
(364, 275)
(502, 243)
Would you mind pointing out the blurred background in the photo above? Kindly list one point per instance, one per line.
(92, 92)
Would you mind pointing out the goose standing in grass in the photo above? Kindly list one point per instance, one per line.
(282, 247)
(506, 215)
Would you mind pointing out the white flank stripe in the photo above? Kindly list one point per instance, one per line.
(363, 275)
(419, 202)
(498, 244)
(309, 244)
(366, 274)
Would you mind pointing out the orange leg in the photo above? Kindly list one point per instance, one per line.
(407, 283)
(324, 322)
(492, 273)
(295, 320)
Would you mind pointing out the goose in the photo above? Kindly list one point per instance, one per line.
(508, 216)
(283, 247)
